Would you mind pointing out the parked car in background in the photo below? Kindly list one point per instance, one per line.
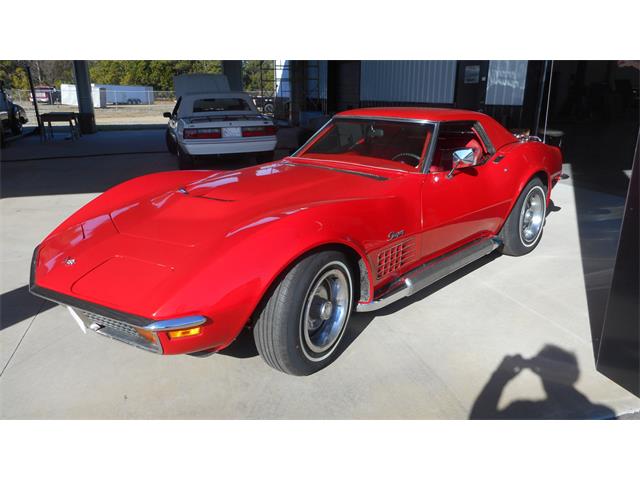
(15, 116)
(209, 119)
(4, 116)
(46, 94)
(264, 104)
(376, 206)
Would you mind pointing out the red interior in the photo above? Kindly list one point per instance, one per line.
(443, 156)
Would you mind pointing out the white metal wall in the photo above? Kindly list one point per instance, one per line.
(506, 82)
(427, 81)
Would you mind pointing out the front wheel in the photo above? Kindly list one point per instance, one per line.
(522, 231)
(16, 126)
(300, 326)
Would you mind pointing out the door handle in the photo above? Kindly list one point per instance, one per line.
(498, 159)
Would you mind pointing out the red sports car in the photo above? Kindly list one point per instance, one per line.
(378, 204)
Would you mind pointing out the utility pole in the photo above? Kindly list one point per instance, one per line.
(33, 98)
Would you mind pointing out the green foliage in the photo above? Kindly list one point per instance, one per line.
(254, 80)
(258, 75)
(13, 75)
(156, 73)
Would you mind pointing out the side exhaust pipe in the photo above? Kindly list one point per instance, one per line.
(430, 272)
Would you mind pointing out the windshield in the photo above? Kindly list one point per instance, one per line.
(396, 141)
(220, 105)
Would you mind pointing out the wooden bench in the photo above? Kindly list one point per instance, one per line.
(68, 117)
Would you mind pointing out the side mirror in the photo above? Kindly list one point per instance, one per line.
(166, 114)
(462, 155)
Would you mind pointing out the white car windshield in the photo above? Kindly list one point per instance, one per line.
(220, 105)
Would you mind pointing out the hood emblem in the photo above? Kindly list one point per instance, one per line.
(69, 261)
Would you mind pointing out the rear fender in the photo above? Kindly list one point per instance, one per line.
(535, 159)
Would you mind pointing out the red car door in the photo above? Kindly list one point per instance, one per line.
(466, 204)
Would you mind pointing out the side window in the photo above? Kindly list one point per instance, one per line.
(175, 109)
(451, 137)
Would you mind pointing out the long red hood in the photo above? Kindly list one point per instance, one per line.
(130, 256)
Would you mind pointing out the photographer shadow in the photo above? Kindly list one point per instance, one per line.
(558, 371)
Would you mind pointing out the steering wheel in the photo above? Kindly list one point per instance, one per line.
(408, 162)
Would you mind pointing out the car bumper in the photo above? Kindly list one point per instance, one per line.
(146, 333)
(229, 146)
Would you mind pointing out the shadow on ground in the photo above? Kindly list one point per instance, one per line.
(18, 305)
(97, 162)
(558, 371)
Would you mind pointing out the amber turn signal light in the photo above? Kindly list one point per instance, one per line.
(189, 332)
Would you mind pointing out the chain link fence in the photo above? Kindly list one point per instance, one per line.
(117, 107)
(112, 107)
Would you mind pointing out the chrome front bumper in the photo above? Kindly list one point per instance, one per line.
(132, 329)
(144, 337)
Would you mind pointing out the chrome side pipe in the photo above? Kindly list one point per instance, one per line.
(430, 272)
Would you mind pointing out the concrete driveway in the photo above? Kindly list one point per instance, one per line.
(443, 354)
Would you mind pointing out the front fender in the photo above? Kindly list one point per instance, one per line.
(228, 285)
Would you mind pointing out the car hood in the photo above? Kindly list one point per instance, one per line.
(135, 254)
(226, 203)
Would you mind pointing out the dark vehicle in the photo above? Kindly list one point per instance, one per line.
(13, 118)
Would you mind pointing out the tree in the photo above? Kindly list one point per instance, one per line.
(258, 76)
(13, 75)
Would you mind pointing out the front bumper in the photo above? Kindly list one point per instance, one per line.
(132, 329)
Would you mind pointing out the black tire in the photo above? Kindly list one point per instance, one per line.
(185, 161)
(16, 126)
(171, 143)
(264, 157)
(281, 332)
(512, 234)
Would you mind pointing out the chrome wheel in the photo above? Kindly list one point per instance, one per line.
(532, 216)
(326, 310)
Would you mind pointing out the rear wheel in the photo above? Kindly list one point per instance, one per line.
(171, 143)
(522, 231)
(185, 161)
(302, 323)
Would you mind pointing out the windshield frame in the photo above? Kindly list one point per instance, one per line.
(424, 161)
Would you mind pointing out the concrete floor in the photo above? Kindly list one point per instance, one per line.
(438, 355)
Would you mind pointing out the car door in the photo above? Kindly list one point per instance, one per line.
(459, 204)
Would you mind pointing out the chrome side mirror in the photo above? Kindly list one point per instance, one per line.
(462, 155)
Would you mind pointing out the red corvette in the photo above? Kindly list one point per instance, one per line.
(377, 205)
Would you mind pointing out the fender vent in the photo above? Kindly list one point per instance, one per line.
(394, 257)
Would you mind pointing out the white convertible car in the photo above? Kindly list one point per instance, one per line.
(209, 119)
